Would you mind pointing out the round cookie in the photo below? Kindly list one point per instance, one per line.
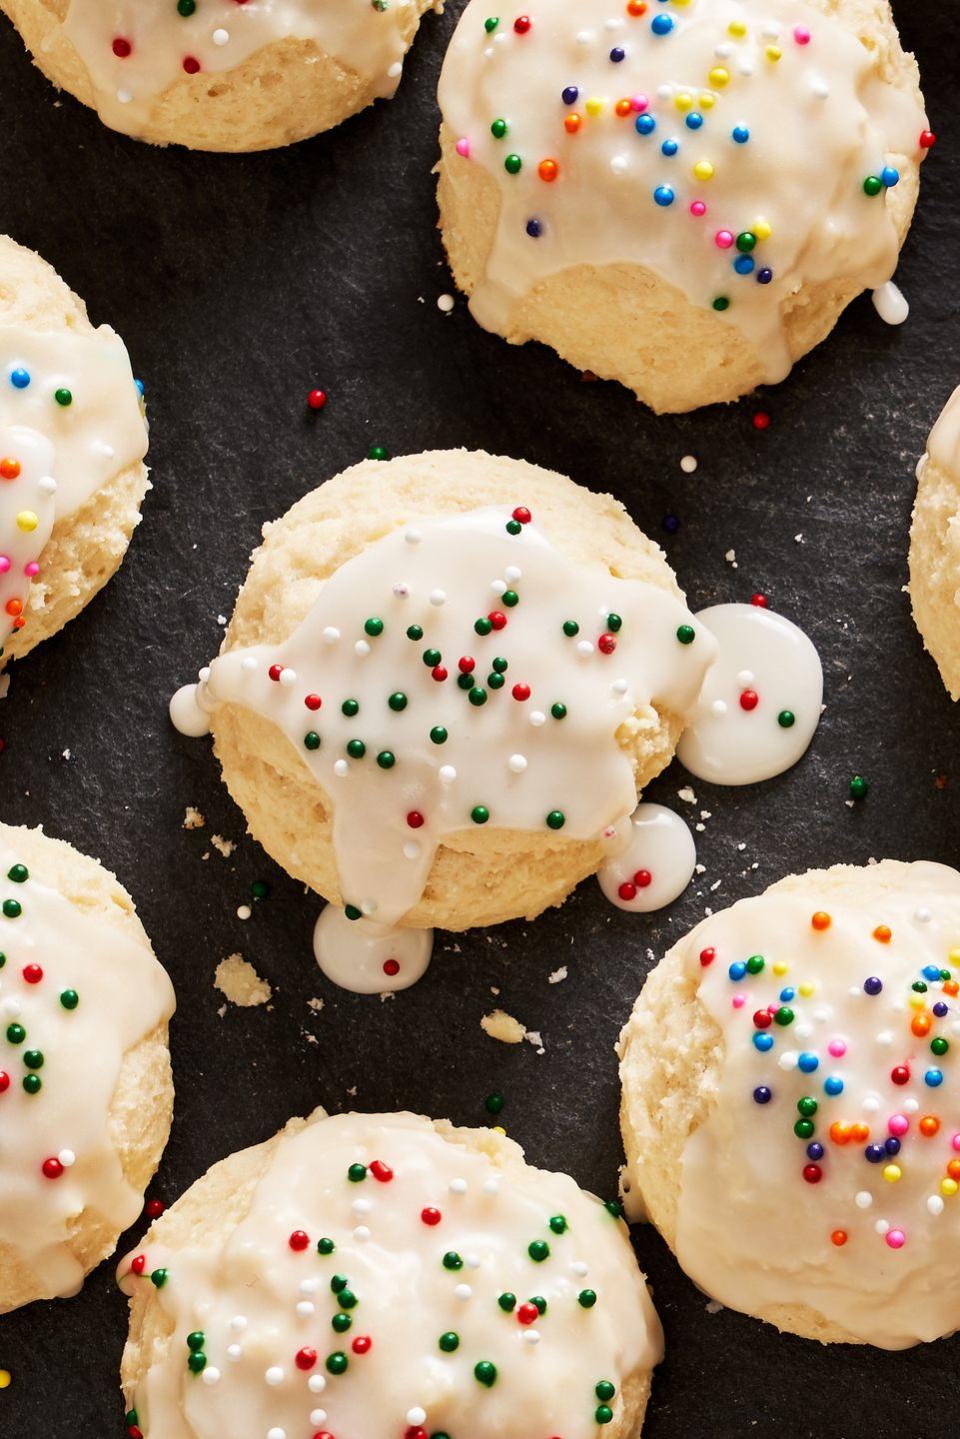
(683, 198)
(386, 1275)
(935, 546)
(789, 1104)
(85, 1088)
(409, 734)
(217, 74)
(72, 442)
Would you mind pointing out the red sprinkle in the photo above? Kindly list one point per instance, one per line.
(528, 1314)
(761, 420)
(749, 700)
(760, 601)
(466, 664)
(361, 1345)
(498, 620)
(381, 1172)
(391, 967)
(762, 1018)
(430, 1216)
(642, 878)
(415, 819)
(191, 64)
(305, 1358)
(154, 1208)
(122, 48)
(927, 140)
(707, 956)
(32, 973)
(313, 702)
(521, 692)
(52, 1168)
(521, 25)
(900, 1074)
(275, 671)
(138, 1264)
(299, 1240)
(606, 644)
(439, 673)
(4, 1081)
(316, 399)
(812, 1173)
(627, 890)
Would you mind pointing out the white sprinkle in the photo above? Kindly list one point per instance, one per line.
(821, 89)
(413, 537)
(871, 1104)
(318, 1416)
(513, 573)
(447, 773)
(537, 718)
(244, 911)
(724, 50)
(579, 1268)
(401, 590)
(288, 677)
(306, 1309)
(472, 1261)
(935, 1204)
(620, 687)
(362, 648)
(234, 1352)
(203, 674)
(499, 587)
(317, 1383)
(584, 647)
(458, 1186)
(445, 303)
(331, 634)
(438, 597)
(411, 849)
(688, 464)
(309, 1286)
(585, 37)
(491, 1186)
(882, 1225)
(463, 1291)
(274, 1376)
(746, 677)
(47, 485)
(619, 165)
(395, 70)
(361, 1207)
(885, 1036)
(276, 1433)
(531, 1336)
(238, 1323)
(248, 664)
(416, 1415)
(718, 708)
(341, 768)
(220, 36)
(864, 1199)
(788, 1060)
(923, 915)
(211, 1376)
(124, 96)
(517, 763)
(910, 1106)
(891, 304)
(361, 1234)
(67, 1158)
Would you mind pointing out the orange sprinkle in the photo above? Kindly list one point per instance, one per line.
(636, 7)
(860, 1132)
(883, 934)
(9, 469)
(950, 986)
(921, 1024)
(953, 1169)
(548, 170)
(839, 1237)
(572, 123)
(929, 1125)
(840, 1133)
(14, 607)
(821, 920)
(623, 107)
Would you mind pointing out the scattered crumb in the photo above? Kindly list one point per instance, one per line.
(503, 1026)
(713, 1306)
(558, 975)
(225, 846)
(315, 1004)
(221, 620)
(221, 1011)
(66, 754)
(193, 819)
(534, 1037)
(244, 911)
(239, 981)
(310, 1038)
(731, 558)
(798, 539)
(688, 464)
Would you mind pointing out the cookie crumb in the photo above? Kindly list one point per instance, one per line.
(192, 818)
(558, 975)
(236, 978)
(502, 1026)
(225, 846)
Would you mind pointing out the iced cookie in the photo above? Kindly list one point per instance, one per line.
(679, 196)
(935, 546)
(390, 1277)
(85, 1088)
(221, 74)
(446, 679)
(790, 1104)
(72, 442)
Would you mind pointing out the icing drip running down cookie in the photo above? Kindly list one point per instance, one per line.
(680, 196)
(463, 675)
(383, 1276)
(790, 1103)
(222, 74)
(72, 442)
(85, 1093)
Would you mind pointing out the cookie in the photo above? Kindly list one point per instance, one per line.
(935, 546)
(85, 1088)
(789, 1110)
(683, 198)
(72, 442)
(218, 74)
(386, 1275)
(446, 679)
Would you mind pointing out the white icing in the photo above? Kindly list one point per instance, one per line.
(761, 654)
(750, 1230)
(258, 1303)
(531, 769)
(653, 861)
(943, 446)
(820, 121)
(367, 39)
(187, 714)
(369, 958)
(66, 452)
(891, 304)
(123, 996)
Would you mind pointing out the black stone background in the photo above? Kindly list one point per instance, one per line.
(238, 283)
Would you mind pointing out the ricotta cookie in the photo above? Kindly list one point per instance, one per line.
(683, 195)
(789, 1104)
(72, 442)
(85, 1088)
(385, 1275)
(935, 546)
(221, 74)
(445, 682)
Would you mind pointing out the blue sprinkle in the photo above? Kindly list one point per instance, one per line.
(139, 385)
(694, 120)
(787, 994)
(892, 1145)
(744, 264)
(808, 1063)
(20, 378)
(737, 969)
(873, 985)
(534, 229)
(762, 1094)
(875, 1153)
(669, 147)
(645, 124)
(814, 1150)
(664, 196)
(763, 1042)
(740, 134)
(933, 1077)
(833, 1085)
(662, 24)
(940, 1009)
(617, 54)
(930, 971)
(889, 177)
(764, 276)
(671, 524)
(569, 95)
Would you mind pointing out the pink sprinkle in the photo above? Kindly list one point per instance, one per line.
(639, 103)
(896, 1238)
(801, 34)
(463, 148)
(698, 208)
(4, 564)
(30, 569)
(739, 1000)
(898, 1124)
(837, 1047)
(955, 1141)
(723, 239)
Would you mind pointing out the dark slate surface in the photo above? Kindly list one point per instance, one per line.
(240, 282)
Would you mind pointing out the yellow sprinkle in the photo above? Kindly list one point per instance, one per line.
(892, 1172)
(763, 229)
(780, 966)
(948, 1186)
(703, 170)
(707, 101)
(683, 101)
(738, 28)
(954, 956)
(594, 106)
(719, 77)
(6, 1378)
(806, 989)
(774, 52)
(499, 1129)
(916, 1001)
(27, 520)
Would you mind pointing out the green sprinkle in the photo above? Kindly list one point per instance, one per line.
(477, 696)
(603, 1414)
(414, 632)
(510, 598)
(356, 1174)
(452, 1260)
(746, 241)
(12, 908)
(784, 1015)
(859, 787)
(495, 681)
(786, 719)
(351, 911)
(131, 1418)
(507, 1302)
(16, 1033)
(513, 527)
(721, 303)
(33, 1058)
(386, 759)
(63, 397)
(32, 1083)
(350, 708)
(340, 1323)
(18, 873)
(872, 185)
(196, 1340)
(755, 963)
(587, 1298)
(570, 628)
(338, 1283)
(3, 959)
(69, 999)
(686, 634)
(378, 452)
(614, 1208)
(539, 1250)
(539, 1303)
(159, 1278)
(186, 9)
(804, 1128)
(347, 1299)
(337, 1363)
(559, 1224)
(485, 1373)
(356, 748)
(479, 814)
(325, 1246)
(558, 710)
(494, 1102)
(501, 665)
(431, 658)
(438, 735)
(807, 1106)
(498, 129)
(939, 1046)
(311, 739)
(491, 23)
(196, 1363)
(449, 1343)
(556, 819)
(260, 889)
(482, 626)
(513, 165)
(465, 681)
(373, 627)
(605, 1390)
(614, 622)
(397, 701)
